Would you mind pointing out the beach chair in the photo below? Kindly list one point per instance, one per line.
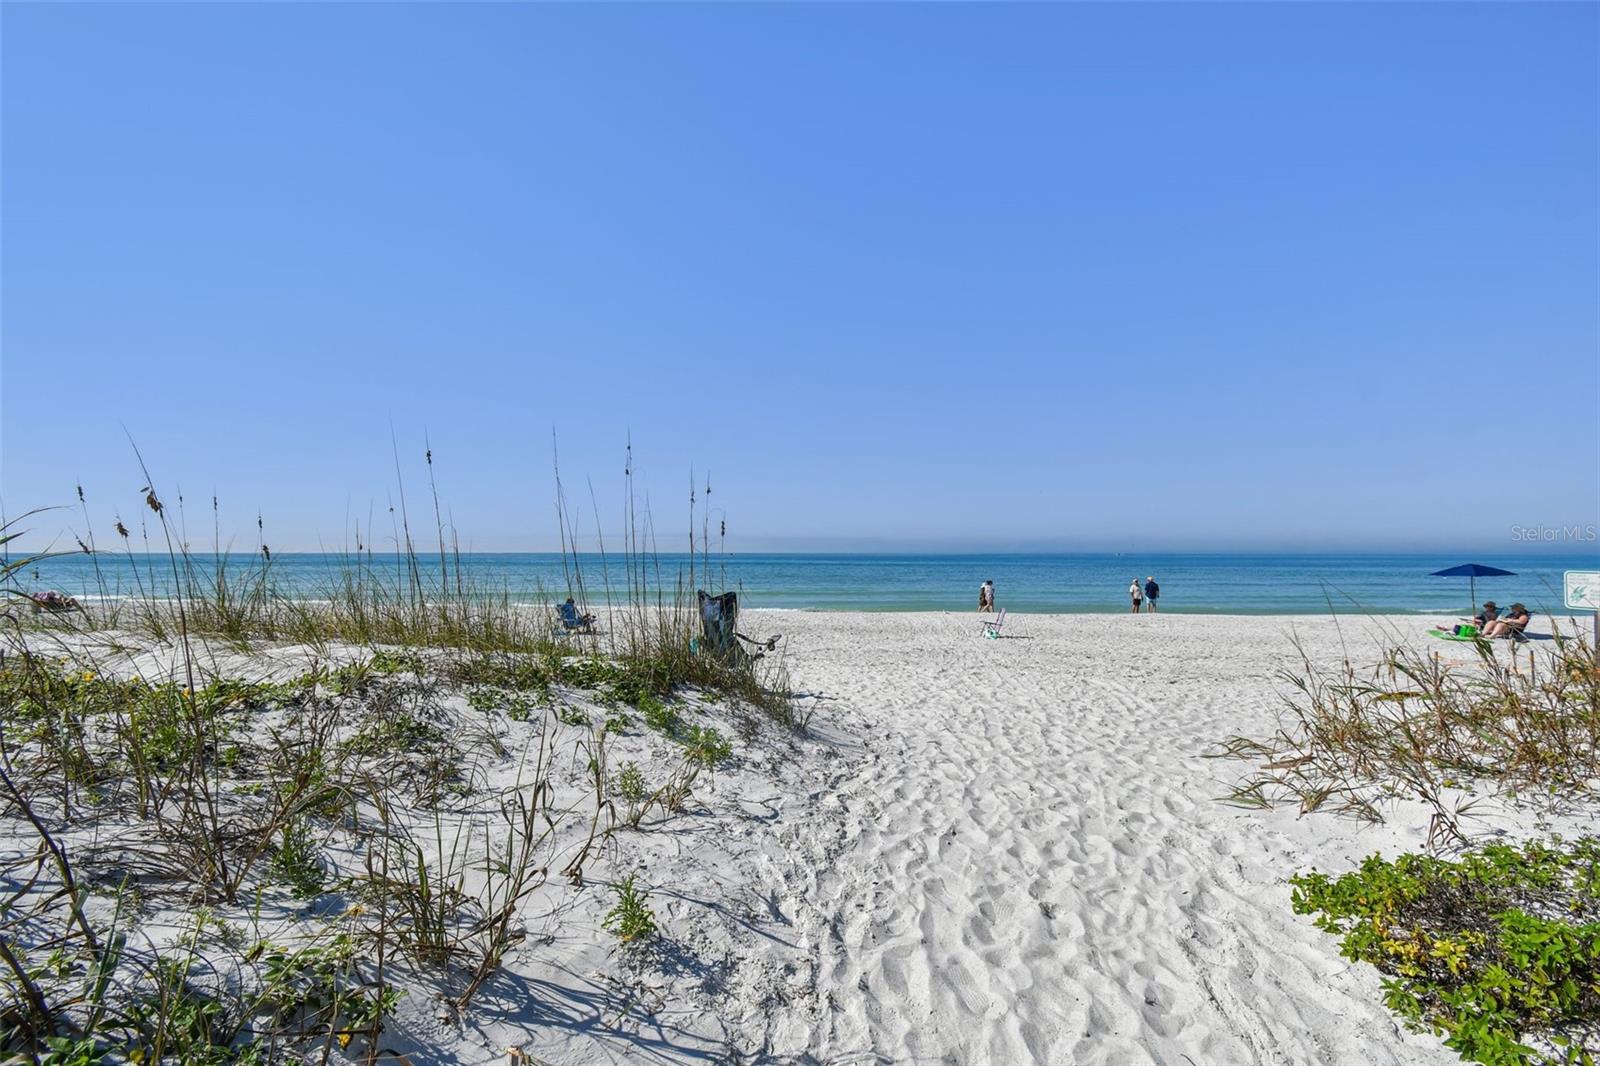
(719, 619)
(992, 627)
(719, 629)
(572, 621)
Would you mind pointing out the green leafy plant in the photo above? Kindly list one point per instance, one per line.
(297, 860)
(659, 716)
(706, 746)
(317, 988)
(1498, 951)
(520, 708)
(631, 918)
(517, 706)
(629, 785)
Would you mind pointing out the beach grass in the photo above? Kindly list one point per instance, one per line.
(1419, 726)
(366, 775)
(1498, 949)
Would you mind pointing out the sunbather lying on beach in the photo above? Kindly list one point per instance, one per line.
(1515, 621)
(53, 601)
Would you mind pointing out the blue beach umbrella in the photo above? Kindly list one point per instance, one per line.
(1473, 571)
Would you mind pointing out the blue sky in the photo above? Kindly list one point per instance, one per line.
(1078, 276)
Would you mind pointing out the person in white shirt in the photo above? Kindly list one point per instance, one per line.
(986, 596)
(1136, 590)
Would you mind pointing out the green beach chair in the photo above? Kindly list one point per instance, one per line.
(992, 627)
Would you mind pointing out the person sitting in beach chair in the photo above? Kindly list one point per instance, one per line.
(572, 621)
(1489, 613)
(1509, 627)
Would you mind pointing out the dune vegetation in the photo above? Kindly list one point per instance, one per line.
(242, 825)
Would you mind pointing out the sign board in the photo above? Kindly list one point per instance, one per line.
(1582, 588)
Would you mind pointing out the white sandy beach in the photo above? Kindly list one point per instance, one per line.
(1029, 864)
(981, 851)
(1009, 851)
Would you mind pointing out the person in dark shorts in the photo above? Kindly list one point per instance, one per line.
(1136, 591)
(1152, 592)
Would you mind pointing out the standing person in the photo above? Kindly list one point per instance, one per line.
(986, 596)
(1152, 592)
(1136, 591)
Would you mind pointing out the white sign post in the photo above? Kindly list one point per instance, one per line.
(1582, 590)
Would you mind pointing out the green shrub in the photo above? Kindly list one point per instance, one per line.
(519, 673)
(588, 673)
(631, 919)
(484, 700)
(706, 746)
(659, 716)
(630, 783)
(520, 708)
(396, 662)
(401, 732)
(517, 707)
(297, 860)
(318, 988)
(643, 679)
(1497, 949)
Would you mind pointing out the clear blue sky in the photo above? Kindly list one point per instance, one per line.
(1081, 276)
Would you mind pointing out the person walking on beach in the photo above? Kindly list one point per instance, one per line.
(1136, 590)
(986, 597)
(1152, 592)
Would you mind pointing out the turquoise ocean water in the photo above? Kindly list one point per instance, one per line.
(1223, 584)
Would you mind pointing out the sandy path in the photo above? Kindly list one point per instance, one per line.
(1029, 865)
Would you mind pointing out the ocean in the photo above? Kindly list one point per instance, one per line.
(1066, 583)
